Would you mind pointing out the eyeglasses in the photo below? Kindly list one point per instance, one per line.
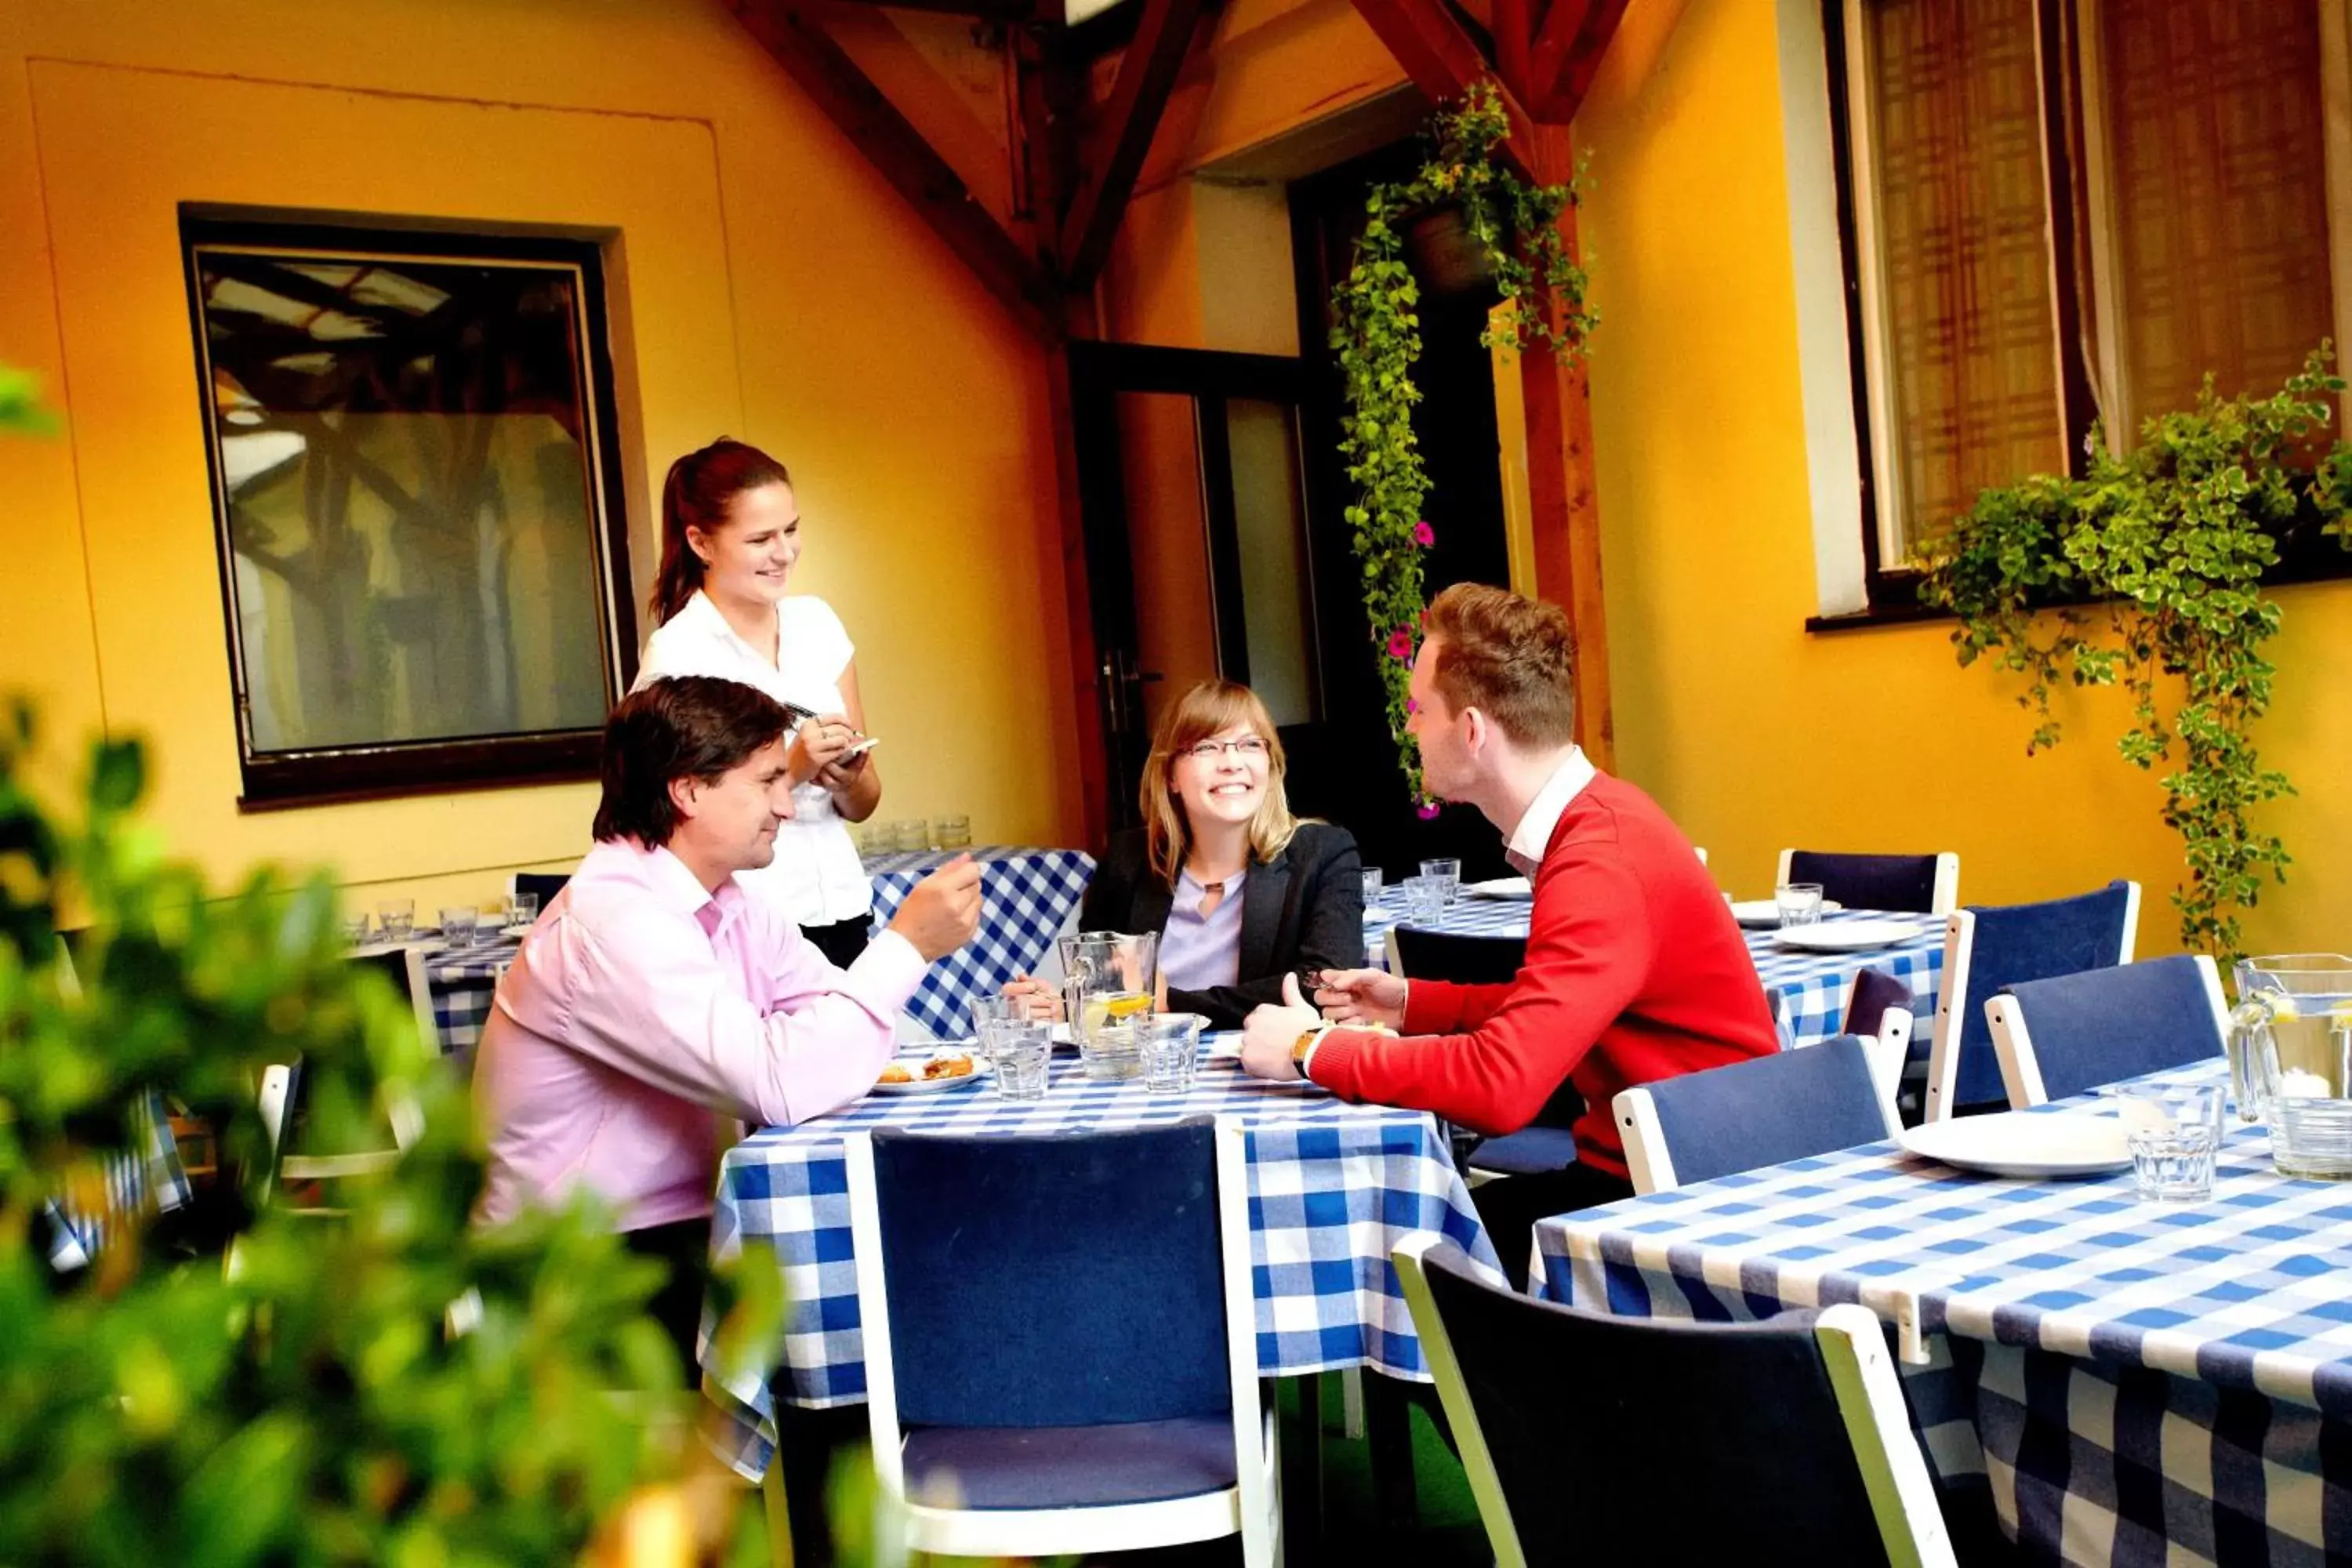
(1249, 748)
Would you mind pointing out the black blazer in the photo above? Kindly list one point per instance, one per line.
(1301, 911)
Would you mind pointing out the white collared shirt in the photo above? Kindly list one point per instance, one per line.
(816, 874)
(1525, 848)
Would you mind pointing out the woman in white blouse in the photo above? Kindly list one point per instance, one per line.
(730, 533)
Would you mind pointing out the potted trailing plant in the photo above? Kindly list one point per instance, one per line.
(2146, 573)
(1515, 229)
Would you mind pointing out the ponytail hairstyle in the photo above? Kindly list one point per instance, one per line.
(699, 489)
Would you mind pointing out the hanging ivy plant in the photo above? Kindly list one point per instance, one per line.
(1378, 339)
(2146, 573)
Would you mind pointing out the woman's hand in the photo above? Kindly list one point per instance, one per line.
(819, 743)
(1040, 1003)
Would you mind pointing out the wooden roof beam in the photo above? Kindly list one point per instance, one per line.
(1114, 155)
(1568, 54)
(792, 34)
(1442, 60)
(1014, 13)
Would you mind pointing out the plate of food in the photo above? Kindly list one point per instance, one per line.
(1764, 914)
(931, 1072)
(2038, 1144)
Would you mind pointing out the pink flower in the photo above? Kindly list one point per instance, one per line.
(1428, 812)
(1401, 644)
(1422, 535)
(1411, 706)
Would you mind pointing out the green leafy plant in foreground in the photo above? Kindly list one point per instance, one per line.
(1376, 337)
(308, 1406)
(2147, 574)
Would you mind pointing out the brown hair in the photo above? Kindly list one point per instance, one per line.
(688, 726)
(701, 485)
(1510, 658)
(1204, 710)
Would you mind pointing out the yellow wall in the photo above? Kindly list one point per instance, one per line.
(769, 285)
(1753, 732)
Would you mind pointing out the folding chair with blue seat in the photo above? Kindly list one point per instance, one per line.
(1924, 884)
(2075, 1032)
(1544, 1145)
(1878, 1008)
(1061, 1342)
(1989, 948)
(1590, 1440)
(1746, 1115)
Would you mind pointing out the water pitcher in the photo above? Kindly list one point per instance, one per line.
(2290, 1050)
(1108, 982)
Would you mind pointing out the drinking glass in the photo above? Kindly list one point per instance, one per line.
(1371, 886)
(914, 836)
(951, 833)
(1018, 1057)
(1172, 1048)
(523, 909)
(1107, 993)
(457, 927)
(398, 918)
(1425, 901)
(355, 927)
(2173, 1132)
(1447, 873)
(987, 1010)
(1801, 903)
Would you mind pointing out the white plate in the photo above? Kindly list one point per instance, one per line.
(1763, 914)
(1848, 936)
(2024, 1143)
(1502, 888)
(915, 1063)
(516, 931)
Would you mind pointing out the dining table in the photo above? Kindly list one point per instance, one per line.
(2134, 1382)
(1806, 987)
(1333, 1188)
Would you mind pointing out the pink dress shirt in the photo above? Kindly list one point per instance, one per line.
(641, 1004)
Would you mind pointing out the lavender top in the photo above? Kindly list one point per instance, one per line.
(1198, 952)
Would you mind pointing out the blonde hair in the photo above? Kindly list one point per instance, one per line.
(1206, 709)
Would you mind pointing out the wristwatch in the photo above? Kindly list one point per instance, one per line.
(1304, 1046)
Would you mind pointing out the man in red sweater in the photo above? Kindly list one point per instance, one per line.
(1635, 971)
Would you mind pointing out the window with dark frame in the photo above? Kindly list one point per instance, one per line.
(417, 495)
(2058, 216)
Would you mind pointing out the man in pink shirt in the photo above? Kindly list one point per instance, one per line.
(656, 992)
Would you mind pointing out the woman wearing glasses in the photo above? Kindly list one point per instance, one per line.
(1241, 891)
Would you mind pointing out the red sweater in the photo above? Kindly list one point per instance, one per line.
(1635, 971)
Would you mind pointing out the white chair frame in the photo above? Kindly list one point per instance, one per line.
(1894, 1471)
(1952, 1001)
(2012, 1042)
(1252, 1508)
(1942, 901)
(1651, 1165)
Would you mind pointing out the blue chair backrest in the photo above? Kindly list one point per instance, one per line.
(1875, 992)
(545, 885)
(1869, 881)
(2018, 942)
(2104, 1025)
(1746, 1115)
(1053, 1282)
(1464, 959)
(1672, 1442)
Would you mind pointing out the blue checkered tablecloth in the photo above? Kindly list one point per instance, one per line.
(2139, 1383)
(1333, 1186)
(1026, 895)
(1807, 989)
(149, 1178)
(463, 983)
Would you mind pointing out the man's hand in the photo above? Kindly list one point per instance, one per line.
(1362, 997)
(942, 912)
(1271, 1033)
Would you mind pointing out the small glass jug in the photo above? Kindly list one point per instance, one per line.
(2290, 1048)
(1108, 982)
